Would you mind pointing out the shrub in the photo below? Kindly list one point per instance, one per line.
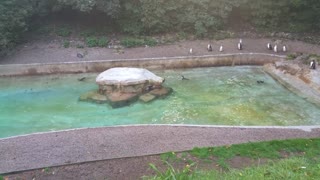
(135, 42)
(132, 42)
(150, 41)
(103, 42)
(96, 42)
(66, 43)
(63, 31)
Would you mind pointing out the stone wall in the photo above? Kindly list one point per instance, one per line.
(148, 63)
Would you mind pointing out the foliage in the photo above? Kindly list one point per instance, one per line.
(97, 42)
(13, 21)
(66, 43)
(303, 162)
(171, 173)
(63, 31)
(135, 42)
(144, 17)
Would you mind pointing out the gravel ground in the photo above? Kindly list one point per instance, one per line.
(44, 52)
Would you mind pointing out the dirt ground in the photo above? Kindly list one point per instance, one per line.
(128, 168)
(51, 51)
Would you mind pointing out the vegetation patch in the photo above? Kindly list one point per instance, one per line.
(130, 42)
(96, 42)
(63, 31)
(287, 159)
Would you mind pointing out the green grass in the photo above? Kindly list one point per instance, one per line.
(291, 168)
(291, 56)
(1, 178)
(63, 31)
(303, 161)
(130, 42)
(96, 42)
(66, 44)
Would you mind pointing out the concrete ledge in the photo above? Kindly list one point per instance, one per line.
(148, 63)
(294, 84)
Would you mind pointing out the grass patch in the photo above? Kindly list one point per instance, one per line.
(63, 31)
(130, 42)
(291, 56)
(292, 168)
(66, 44)
(303, 161)
(96, 42)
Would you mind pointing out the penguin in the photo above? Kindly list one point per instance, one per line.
(209, 47)
(269, 46)
(240, 41)
(284, 48)
(190, 51)
(239, 46)
(275, 48)
(82, 79)
(221, 48)
(183, 78)
(313, 64)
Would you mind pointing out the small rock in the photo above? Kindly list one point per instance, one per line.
(147, 98)
(79, 55)
(93, 96)
(161, 92)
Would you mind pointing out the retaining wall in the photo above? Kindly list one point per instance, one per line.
(149, 63)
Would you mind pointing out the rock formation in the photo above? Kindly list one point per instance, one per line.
(122, 86)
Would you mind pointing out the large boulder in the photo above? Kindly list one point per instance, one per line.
(123, 86)
(127, 80)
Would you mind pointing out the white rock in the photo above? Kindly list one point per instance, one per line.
(127, 76)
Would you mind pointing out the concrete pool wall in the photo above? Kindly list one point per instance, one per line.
(149, 63)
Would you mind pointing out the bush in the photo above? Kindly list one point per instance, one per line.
(135, 42)
(132, 42)
(95, 42)
(63, 31)
(66, 43)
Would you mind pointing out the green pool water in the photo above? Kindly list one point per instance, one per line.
(212, 96)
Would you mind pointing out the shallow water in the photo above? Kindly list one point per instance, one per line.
(212, 96)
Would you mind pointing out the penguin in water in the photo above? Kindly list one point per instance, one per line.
(260, 82)
(275, 48)
(183, 78)
(284, 48)
(269, 46)
(209, 48)
(82, 79)
(221, 48)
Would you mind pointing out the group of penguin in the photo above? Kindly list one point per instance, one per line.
(240, 47)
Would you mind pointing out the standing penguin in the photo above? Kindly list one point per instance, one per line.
(269, 46)
(313, 64)
(209, 48)
(221, 48)
(240, 41)
(275, 48)
(190, 51)
(284, 48)
(239, 46)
